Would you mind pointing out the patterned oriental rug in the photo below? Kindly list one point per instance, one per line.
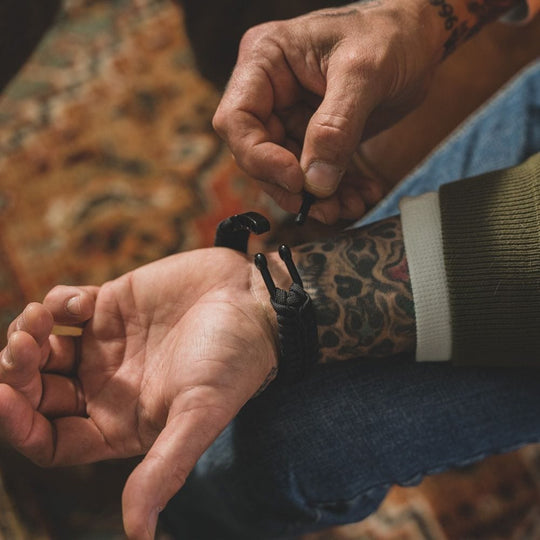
(108, 161)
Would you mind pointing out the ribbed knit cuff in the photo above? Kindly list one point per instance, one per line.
(421, 225)
(491, 238)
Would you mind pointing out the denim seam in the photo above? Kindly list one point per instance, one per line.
(417, 477)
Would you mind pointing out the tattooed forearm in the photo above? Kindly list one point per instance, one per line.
(359, 283)
(476, 14)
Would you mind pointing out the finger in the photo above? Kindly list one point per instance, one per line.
(369, 186)
(290, 202)
(352, 204)
(166, 466)
(296, 119)
(71, 305)
(335, 129)
(19, 366)
(327, 211)
(61, 396)
(22, 427)
(65, 441)
(294, 147)
(79, 440)
(62, 357)
(36, 320)
(372, 191)
(347, 205)
(246, 119)
(262, 159)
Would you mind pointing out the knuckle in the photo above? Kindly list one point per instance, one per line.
(265, 45)
(56, 290)
(375, 65)
(329, 123)
(354, 61)
(252, 36)
(258, 36)
(331, 131)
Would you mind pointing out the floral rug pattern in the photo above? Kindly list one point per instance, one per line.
(108, 161)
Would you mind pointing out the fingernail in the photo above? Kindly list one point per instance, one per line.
(73, 305)
(322, 178)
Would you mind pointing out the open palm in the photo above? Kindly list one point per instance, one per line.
(169, 354)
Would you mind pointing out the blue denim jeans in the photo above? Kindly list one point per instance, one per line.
(325, 451)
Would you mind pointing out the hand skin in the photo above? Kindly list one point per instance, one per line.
(169, 354)
(307, 91)
(171, 351)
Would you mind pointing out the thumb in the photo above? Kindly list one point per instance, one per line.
(165, 468)
(334, 131)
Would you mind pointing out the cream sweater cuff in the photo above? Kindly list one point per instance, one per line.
(421, 223)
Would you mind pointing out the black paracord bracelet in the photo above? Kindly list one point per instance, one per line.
(297, 327)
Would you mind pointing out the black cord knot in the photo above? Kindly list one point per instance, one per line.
(297, 327)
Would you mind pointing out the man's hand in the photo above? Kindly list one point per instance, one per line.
(168, 356)
(305, 92)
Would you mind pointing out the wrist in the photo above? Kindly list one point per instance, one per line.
(294, 312)
(453, 22)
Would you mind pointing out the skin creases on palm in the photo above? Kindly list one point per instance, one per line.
(169, 354)
(181, 341)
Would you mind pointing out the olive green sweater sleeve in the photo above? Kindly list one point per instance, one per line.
(491, 246)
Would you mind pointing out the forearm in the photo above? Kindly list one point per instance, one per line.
(459, 20)
(487, 233)
(445, 24)
(359, 284)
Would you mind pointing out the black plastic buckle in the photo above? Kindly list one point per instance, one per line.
(233, 232)
(297, 327)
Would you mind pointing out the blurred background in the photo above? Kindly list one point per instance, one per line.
(108, 161)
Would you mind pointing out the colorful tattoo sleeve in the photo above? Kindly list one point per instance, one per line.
(359, 283)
